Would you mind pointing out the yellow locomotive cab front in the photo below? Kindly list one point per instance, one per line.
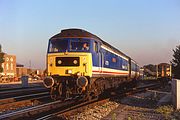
(70, 64)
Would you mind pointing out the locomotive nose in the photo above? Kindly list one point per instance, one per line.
(82, 81)
(48, 82)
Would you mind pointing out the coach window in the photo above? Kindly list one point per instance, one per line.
(95, 46)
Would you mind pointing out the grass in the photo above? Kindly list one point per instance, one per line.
(166, 111)
(176, 115)
(114, 116)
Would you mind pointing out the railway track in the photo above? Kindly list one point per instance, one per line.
(17, 98)
(17, 88)
(13, 92)
(39, 110)
(22, 101)
(58, 108)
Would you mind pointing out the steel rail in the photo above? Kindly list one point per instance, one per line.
(28, 112)
(25, 112)
(69, 108)
(20, 98)
(18, 88)
(20, 92)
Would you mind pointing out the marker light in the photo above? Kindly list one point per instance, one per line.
(78, 74)
(69, 71)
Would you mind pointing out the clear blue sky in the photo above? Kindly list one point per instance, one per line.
(146, 30)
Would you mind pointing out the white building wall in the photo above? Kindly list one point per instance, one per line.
(176, 93)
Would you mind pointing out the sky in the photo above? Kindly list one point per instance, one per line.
(146, 30)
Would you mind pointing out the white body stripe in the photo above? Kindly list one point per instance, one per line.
(114, 70)
(97, 70)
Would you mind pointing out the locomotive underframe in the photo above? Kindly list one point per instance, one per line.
(66, 87)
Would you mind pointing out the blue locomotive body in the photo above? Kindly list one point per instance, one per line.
(110, 62)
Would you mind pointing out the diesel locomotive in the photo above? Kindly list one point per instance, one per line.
(80, 63)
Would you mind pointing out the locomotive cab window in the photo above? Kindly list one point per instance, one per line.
(95, 46)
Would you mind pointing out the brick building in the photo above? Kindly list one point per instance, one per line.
(9, 66)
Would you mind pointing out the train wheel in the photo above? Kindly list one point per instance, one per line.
(64, 93)
(60, 89)
(86, 94)
(87, 97)
(67, 94)
(54, 93)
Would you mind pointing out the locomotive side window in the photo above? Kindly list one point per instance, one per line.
(95, 46)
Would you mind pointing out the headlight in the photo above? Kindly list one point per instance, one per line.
(75, 61)
(59, 61)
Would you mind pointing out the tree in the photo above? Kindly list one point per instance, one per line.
(1, 59)
(176, 62)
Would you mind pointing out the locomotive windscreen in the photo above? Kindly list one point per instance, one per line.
(79, 45)
(58, 45)
(69, 44)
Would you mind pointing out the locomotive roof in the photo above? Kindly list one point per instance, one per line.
(80, 33)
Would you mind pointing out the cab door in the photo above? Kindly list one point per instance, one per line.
(101, 57)
(97, 56)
